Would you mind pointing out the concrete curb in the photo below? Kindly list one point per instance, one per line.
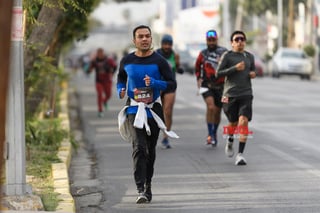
(60, 175)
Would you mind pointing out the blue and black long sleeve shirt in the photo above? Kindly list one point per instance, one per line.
(134, 69)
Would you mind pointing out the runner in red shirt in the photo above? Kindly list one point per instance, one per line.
(104, 68)
(209, 86)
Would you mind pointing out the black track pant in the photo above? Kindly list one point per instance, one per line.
(144, 152)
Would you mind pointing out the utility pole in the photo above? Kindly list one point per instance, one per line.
(5, 32)
(280, 23)
(15, 128)
(226, 22)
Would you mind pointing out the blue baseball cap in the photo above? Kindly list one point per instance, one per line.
(211, 34)
(167, 39)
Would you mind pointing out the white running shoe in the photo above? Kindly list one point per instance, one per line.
(229, 149)
(100, 114)
(141, 198)
(240, 160)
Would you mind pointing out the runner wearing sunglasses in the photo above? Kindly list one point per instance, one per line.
(209, 86)
(237, 66)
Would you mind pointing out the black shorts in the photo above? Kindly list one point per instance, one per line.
(238, 106)
(216, 94)
(168, 91)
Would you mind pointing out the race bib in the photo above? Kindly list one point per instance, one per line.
(144, 94)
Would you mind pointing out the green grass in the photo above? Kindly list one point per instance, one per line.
(43, 187)
(43, 141)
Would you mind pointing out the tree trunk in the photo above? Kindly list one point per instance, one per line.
(40, 38)
(290, 24)
(43, 33)
(239, 17)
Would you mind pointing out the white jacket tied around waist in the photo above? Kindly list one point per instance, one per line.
(141, 120)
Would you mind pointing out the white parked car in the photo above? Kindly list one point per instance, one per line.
(291, 61)
(187, 62)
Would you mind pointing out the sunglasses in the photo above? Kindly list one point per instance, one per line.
(237, 39)
(212, 34)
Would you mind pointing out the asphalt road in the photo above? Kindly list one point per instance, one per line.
(283, 154)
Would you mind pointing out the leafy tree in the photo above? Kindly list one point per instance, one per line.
(51, 25)
(310, 50)
(259, 7)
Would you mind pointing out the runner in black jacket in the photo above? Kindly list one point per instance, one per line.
(142, 75)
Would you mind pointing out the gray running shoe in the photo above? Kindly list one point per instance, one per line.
(240, 160)
(229, 149)
(100, 114)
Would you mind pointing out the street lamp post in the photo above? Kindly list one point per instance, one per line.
(15, 124)
(280, 21)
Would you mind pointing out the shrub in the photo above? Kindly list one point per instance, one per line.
(310, 50)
